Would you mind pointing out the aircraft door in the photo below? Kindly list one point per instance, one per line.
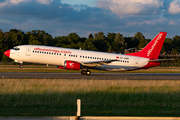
(136, 62)
(28, 51)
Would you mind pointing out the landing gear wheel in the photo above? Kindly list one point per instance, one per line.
(88, 72)
(83, 72)
(20, 66)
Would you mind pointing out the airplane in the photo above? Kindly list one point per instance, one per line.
(74, 59)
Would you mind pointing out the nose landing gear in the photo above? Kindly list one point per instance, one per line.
(20, 63)
(86, 72)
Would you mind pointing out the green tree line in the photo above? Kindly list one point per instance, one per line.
(97, 42)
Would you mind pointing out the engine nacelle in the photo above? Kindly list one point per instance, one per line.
(72, 65)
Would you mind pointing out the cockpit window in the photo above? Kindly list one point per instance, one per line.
(16, 48)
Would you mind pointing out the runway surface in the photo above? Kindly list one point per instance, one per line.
(98, 76)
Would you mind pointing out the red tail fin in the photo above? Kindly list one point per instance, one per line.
(152, 49)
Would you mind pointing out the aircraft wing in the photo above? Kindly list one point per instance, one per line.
(160, 60)
(97, 63)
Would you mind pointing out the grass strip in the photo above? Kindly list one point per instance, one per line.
(57, 97)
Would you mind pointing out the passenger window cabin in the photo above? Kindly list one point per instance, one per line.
(87, 57)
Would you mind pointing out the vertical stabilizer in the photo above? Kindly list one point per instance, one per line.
(153, 49)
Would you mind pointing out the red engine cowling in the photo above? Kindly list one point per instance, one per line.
(71, 65)
(60, 67)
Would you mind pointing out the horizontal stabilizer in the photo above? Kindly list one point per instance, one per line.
(160, 60)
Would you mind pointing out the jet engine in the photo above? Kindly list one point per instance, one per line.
(72, 65)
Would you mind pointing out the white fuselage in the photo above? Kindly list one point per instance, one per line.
(57, 56)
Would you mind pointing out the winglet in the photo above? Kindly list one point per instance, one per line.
(153, 49)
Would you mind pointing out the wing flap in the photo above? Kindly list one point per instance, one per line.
(97, 63)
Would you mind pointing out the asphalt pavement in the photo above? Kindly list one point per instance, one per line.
(96, 76)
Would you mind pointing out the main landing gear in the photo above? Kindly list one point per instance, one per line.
(86, 72)
(21, 65)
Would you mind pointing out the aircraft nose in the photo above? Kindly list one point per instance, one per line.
(7, 53)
